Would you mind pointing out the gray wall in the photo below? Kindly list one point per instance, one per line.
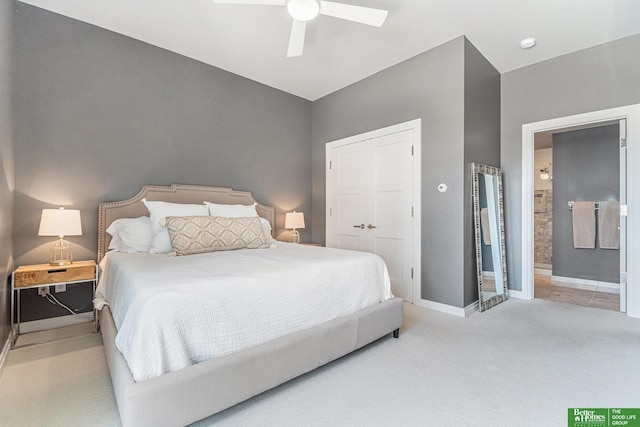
(481, 145)
(114, 110)
(586, 165)
(98, 115)
(430, 86)
(598, 78)
(7, 18)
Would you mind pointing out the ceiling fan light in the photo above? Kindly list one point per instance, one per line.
(303, 10)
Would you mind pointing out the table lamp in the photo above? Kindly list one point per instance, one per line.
(60, 222)
(294, 220)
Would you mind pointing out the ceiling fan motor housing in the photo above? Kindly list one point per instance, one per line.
(303, 10)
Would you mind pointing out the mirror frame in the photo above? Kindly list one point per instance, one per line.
(477, 168)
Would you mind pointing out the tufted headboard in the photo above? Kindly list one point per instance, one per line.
(176, 193)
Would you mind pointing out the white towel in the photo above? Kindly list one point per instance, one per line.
(584, 225)
(609, 225)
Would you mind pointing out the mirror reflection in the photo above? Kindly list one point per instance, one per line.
(489, 236)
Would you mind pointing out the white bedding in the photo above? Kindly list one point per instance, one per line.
(172, 312)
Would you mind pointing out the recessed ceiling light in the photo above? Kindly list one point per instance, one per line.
(528, 43)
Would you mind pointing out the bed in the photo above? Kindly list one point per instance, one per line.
(196, 391)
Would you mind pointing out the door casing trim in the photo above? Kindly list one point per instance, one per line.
(416, 127)
(632, 115)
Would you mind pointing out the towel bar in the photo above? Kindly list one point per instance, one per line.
(571, 205)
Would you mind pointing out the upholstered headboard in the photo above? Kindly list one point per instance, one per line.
(176, 193)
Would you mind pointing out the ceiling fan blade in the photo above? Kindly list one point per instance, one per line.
(363, 15)
(296, 40)
(262, 2)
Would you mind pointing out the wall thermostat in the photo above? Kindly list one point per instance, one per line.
(442, 188)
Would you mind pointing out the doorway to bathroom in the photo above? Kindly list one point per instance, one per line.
(576, 210)
(629, 186)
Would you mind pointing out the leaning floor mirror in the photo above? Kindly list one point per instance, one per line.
(488, 214)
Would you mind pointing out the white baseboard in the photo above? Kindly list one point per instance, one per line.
(517, 294)
(471, 308)
(55, 322)
(449, 309)
(5, 354)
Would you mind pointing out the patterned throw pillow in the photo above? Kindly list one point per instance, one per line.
(199, 234)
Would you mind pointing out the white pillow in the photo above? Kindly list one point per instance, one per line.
(160, 242)
(115, 237)
(134, 234)
(231, 211)
(266, 229)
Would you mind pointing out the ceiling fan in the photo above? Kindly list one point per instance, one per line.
(303, 11)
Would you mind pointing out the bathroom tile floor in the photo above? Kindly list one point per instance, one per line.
(545, 288)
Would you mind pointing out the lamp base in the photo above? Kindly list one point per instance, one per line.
(295, 236)
(60, 253)
(61, 262)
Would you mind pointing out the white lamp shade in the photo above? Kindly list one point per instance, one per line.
(60, 222)
(294, 220)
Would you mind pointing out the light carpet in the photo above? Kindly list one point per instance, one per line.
(521, 363)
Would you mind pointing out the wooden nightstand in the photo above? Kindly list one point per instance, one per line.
(310, 244)
(35, 276)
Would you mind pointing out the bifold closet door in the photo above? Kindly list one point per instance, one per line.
(371, 203)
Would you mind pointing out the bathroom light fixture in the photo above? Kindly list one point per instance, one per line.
(60, 222)
(294, 220)
(528, 43)
(544, 172)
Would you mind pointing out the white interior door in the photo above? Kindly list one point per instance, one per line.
(623, 215)
(370, 185)
(349, 197)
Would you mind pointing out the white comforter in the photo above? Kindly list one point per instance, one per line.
(172, 312)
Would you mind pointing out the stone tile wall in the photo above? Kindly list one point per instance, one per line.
(543, 230)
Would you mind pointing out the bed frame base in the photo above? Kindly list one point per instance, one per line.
(193, 393)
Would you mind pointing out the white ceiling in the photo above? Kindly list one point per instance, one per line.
(251, 40)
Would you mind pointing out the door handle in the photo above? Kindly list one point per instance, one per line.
(371, 226)
(359, 226)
